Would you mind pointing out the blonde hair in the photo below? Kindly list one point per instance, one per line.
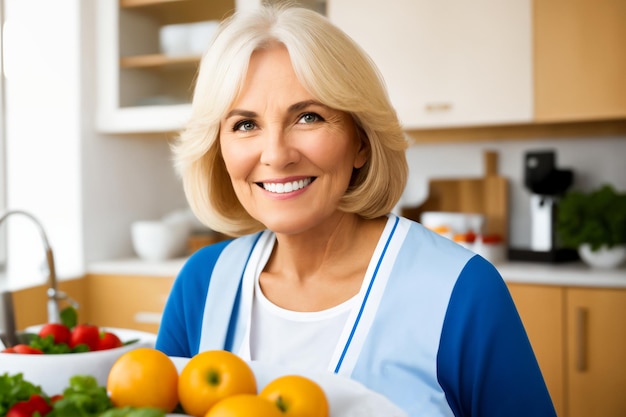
(333, 68)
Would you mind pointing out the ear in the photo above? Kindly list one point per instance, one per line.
(363, 153)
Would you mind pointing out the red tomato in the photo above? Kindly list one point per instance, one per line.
(36, 403)
(86, 334)
(108, 340)
(491, 239)
(8, 350)
(56, 398)
(60, 332)
(21, 348)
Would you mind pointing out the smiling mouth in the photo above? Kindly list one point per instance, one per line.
(286, 187)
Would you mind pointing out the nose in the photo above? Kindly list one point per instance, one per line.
(278, 150)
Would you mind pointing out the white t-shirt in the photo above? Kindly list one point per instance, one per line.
(295, 339)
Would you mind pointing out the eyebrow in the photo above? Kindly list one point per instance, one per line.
(292, 109)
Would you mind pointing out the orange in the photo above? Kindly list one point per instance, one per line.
(144, 377)
(244, 405)
(211, 376)
(297, 396)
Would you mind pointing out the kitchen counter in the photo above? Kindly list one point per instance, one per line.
(567, 274)
(136, 266)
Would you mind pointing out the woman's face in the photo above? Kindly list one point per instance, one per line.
(289, 157)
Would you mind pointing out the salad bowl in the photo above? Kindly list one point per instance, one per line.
(52, 372)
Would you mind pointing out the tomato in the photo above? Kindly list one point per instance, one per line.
(86, 334)
(56, 398)
(297, 396)
(470, 236)
(35, 404)
(211, 376)
(244, 405)
(144, 377)
(108, 340)
(491, 239)
(60, 332)
(21, 348)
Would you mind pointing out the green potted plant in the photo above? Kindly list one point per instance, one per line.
(595, 224)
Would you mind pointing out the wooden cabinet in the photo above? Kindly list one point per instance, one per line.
(596, 347)
(114, 300)
(447, 63)
(127, 301)
(580, 59)
(579, 338)
(141, 89)
(542, 311)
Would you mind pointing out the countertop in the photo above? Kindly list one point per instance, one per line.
(567, 274)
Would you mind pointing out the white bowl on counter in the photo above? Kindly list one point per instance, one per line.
(52, 372)
(159, 240)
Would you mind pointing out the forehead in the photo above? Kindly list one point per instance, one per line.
(270, 76)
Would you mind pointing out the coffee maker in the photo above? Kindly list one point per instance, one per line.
(546, 184)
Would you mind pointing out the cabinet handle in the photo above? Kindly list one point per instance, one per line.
(438, 107)
(581, 338)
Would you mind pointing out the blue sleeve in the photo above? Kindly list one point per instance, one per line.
(181, 324)
(486, 364)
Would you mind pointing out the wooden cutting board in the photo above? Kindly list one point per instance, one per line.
(487, 195)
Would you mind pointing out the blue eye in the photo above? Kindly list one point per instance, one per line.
(307, 118)
(244, 125)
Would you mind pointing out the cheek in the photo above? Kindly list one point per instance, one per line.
(236, 160)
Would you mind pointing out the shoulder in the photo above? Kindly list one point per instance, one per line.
(431, 255)
(202, 262)
(208, 254)
(482, 327)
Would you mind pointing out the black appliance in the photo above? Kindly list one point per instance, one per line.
(546, 183)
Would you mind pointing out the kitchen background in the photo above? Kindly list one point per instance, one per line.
(83, 151)
(87, 184)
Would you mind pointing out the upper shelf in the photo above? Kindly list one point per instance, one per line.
(176, 11)
(139, 3)
(158, 60)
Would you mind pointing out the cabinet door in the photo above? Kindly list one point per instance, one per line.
(580, 59)
(127, 301)
(596, 342)
(541, 308)
(447, 62)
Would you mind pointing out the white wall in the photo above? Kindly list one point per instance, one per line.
(2, 151)
(125, 178)
(85, 188)
(42, 133)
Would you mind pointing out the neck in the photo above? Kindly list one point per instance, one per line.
(339, 245)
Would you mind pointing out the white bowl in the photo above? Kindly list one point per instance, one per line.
(603, 258)
(158, 240)
(174, 39)
(346, 397)
(52, 372)
(187, 38)
(200, 35)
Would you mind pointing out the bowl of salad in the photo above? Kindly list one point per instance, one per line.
(49, 355)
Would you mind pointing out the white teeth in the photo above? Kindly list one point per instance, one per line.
(286, 187)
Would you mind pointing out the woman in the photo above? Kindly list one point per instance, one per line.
(294, 148)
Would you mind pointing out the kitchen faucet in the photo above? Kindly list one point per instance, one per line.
(54, 295)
